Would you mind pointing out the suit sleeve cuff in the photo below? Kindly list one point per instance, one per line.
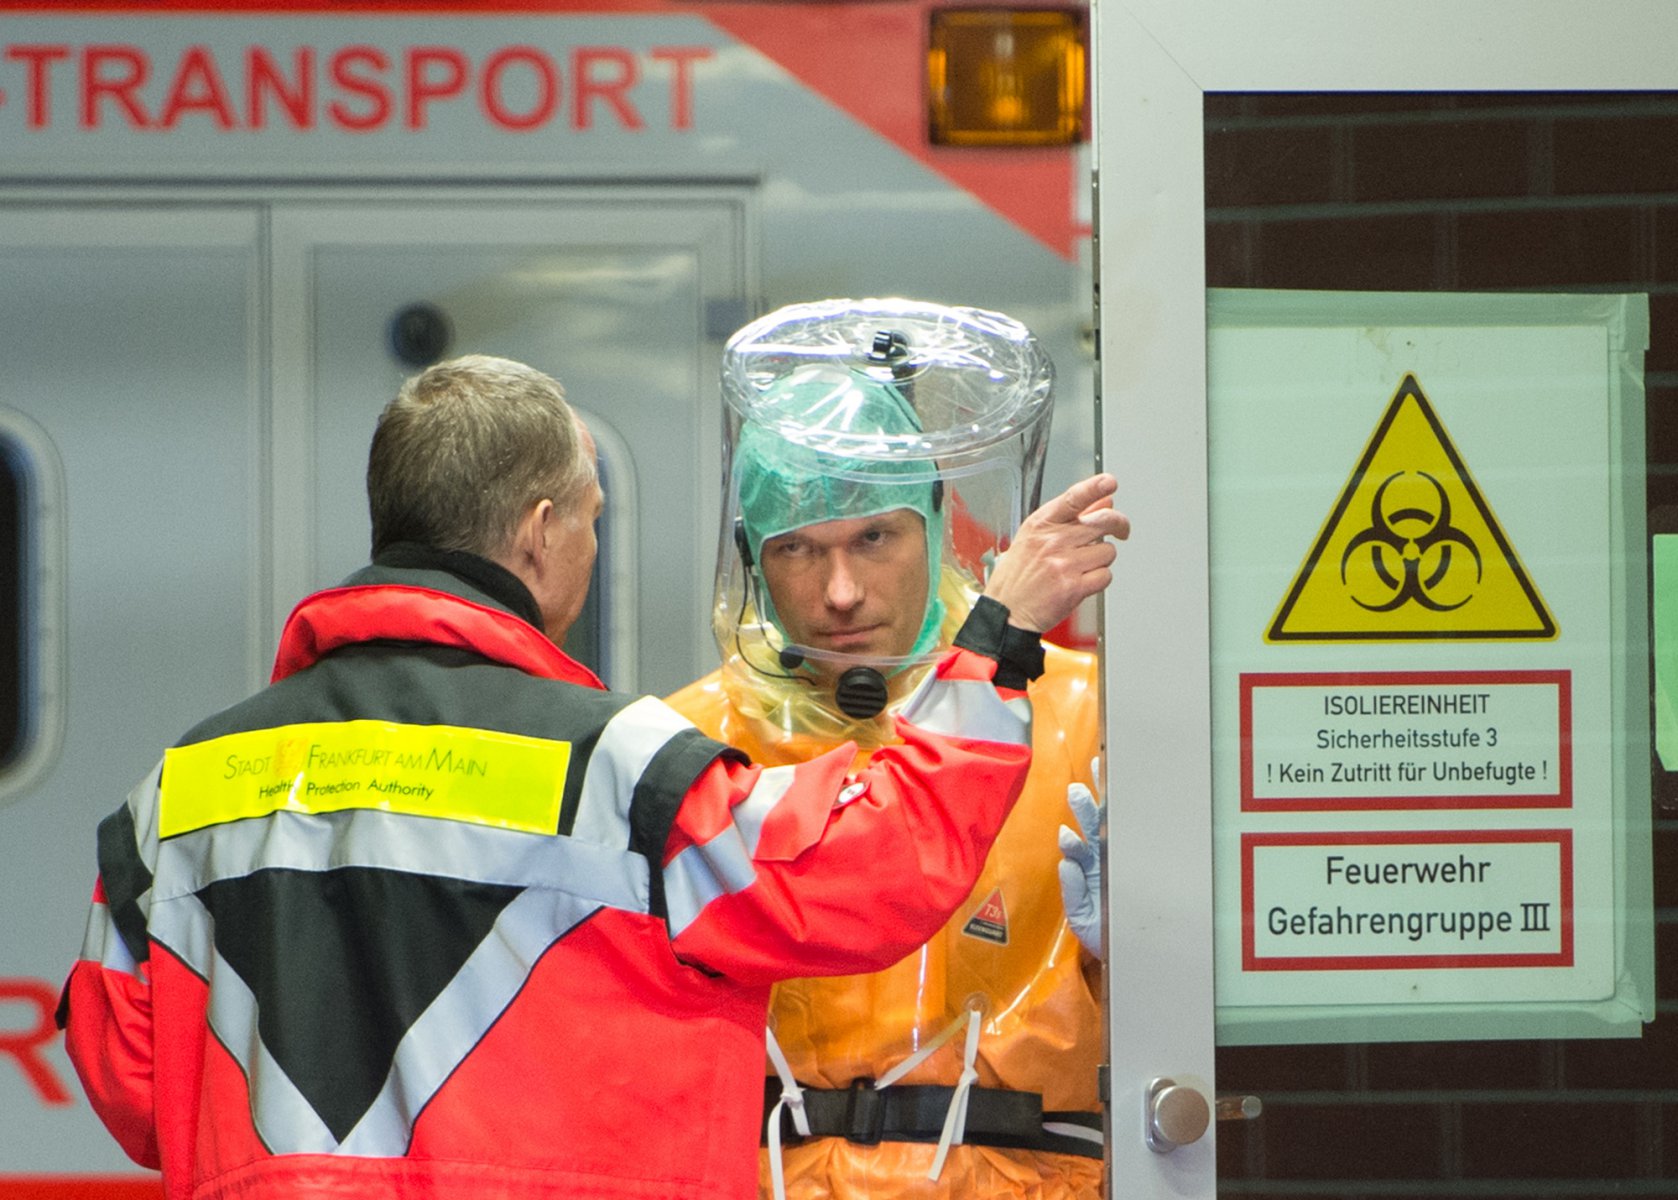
(1018, 653)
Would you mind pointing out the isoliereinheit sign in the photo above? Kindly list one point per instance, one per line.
(1421, 586)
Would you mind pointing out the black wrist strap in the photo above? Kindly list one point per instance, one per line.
(1018, 652)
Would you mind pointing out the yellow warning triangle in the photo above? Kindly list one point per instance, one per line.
(1412, 550)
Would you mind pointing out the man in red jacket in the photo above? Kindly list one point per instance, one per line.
(437, 914)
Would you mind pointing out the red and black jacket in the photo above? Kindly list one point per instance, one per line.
(324, 959)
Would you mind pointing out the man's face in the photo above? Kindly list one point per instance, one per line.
(851, 586)
(571, 549)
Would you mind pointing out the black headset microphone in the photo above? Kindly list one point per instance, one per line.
(860, 692)
(788, 656)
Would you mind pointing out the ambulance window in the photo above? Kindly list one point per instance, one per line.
(585, 641)
(31, 603)
(14, 701)
(604, 637)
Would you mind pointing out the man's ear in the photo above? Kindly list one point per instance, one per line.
(530, 539)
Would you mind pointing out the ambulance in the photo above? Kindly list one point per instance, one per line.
(229, 231)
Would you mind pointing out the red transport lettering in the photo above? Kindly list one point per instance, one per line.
(197, 87)
(372, 89)
(681, 59)
(547, 87)
(589, 85)
(426, 85)
(264, 77)
(356, 87)
(25, 1044)
(37, 61)
(129, 68)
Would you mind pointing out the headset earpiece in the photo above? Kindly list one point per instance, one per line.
(789, 658)
(743, 544)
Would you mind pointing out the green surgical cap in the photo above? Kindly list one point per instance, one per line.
(785, 480)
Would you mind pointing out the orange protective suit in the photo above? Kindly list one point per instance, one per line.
(1008, 949)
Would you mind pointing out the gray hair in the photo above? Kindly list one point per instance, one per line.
(465, 449)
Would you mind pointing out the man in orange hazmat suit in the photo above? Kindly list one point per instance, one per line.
(881, 453)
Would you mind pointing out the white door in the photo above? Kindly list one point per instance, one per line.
(188, 395)
(623, 295)
(131, 408)
(1154, 61)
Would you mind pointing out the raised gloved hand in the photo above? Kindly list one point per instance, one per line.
(1080, 869)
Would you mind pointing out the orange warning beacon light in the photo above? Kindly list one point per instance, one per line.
(1006, 77)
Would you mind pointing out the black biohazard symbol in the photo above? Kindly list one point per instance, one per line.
(1415, 540)
(1410, 541)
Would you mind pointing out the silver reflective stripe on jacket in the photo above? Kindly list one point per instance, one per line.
(701, 873)
(969, 709)
(563, 880)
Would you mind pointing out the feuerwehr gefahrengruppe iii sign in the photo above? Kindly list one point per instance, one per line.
(1427, 524)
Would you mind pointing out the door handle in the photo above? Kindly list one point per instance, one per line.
(1237, 1108)
(1177, 1115)
(1174, 1115)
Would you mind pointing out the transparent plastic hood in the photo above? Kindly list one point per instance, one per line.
(848, 421)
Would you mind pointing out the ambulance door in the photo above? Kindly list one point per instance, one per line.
(131, 420)
(622, 295)
(1373, 1112)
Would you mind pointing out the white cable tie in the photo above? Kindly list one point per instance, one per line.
(792, 1096)
(777, 1170)
(921, 1055)
(1067, 1129)
(955, 1121)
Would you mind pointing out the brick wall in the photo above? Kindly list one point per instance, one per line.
(1475, 192)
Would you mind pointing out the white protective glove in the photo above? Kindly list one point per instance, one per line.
(1080, 869)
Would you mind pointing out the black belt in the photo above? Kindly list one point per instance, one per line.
(916, 1112)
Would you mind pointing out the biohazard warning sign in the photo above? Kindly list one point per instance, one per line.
(1423, 524)
(990, 922)
(1412, 549)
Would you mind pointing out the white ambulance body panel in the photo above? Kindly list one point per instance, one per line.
(208, 221)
